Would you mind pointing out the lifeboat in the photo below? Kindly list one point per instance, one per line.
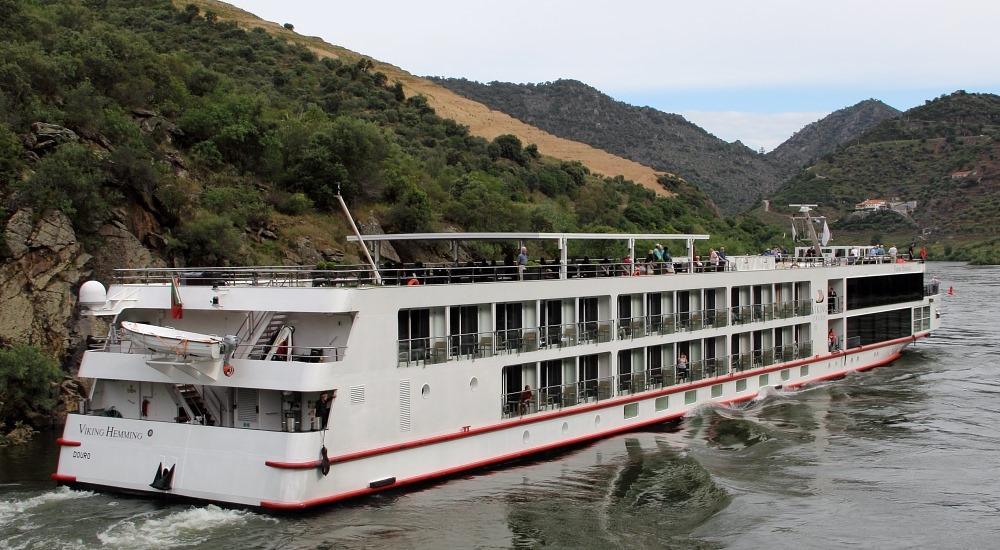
(174, 342)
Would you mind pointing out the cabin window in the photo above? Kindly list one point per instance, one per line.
(509, 319)
(882, 290)
(804, 370)
(631, 410)
(690, 397)
(414, 330)
(717, 390)
(762, 380)
(464, 328)
(786, 374)
(662, 403)
(879, 327)
(741, 384)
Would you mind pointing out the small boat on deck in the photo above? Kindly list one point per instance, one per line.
(171, 341)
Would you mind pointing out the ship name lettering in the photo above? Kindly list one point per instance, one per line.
(109, 431)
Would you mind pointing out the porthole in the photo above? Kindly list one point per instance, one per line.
(474, 383)
(565, 428)
(525, 436)
(425, 391)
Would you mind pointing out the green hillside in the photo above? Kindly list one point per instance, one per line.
(234, 142)
(943, 155)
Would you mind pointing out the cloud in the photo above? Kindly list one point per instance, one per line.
(755, 130)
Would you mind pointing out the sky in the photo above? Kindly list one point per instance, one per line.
(756, 71)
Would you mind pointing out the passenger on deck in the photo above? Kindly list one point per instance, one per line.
(524, 403)
(713, 259)
(831, 296)
(682, 367)
(831, 339)
(627, 260)
(522, 262)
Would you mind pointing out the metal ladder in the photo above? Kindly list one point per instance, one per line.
(194, 400)
(266, 338)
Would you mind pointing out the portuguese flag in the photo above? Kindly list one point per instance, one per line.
(176, 305)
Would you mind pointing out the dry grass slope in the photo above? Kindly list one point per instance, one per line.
(481, 120)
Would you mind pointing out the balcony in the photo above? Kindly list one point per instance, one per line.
(556, 397)
(441, 349)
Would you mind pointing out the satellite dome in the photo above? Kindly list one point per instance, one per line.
(93, 294)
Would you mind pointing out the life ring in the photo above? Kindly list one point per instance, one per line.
(820, 297)
(228, 370)
(413, 282)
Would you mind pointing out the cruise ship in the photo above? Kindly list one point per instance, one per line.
(286, 388)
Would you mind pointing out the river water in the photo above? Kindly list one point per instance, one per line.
(902, 456)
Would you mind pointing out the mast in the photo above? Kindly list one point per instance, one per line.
(805, 209)
(361, 242)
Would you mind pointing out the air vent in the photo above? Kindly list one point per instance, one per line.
(246, 405)
(357, 395)
(404, 405)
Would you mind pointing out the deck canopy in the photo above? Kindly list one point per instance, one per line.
(561, 238)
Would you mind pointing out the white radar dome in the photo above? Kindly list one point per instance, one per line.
(93, 294)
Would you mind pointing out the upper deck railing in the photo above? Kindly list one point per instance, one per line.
(420, 273)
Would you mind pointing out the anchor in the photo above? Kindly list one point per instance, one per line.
(164, 478)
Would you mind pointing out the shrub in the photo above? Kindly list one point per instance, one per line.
(295, 204)
(11, 155)
(209, 240)
(70, 179)
(28, 383)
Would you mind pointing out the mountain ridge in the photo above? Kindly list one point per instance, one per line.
(731, 173)
(481, 120)
(823, 136)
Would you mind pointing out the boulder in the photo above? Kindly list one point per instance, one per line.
(371, 226)
(120, 249)
(45, 136)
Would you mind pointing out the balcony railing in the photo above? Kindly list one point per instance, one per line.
(758, 313)
(439, 349)
(450, 273)
(558, 396)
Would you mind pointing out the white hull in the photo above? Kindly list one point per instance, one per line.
(278, 470)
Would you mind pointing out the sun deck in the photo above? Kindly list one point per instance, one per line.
(390, 273)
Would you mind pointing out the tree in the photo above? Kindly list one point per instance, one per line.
(507, 146)
(289, 26)
(28, 382)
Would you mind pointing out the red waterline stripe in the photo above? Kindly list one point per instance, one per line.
(276, 505)
(610, 402)
(63, 478)
(587, 408)
(293, 465)
(67, 443)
